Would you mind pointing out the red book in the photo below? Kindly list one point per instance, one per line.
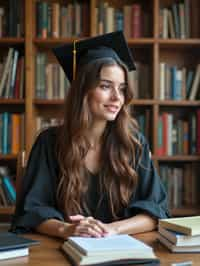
(136, 21)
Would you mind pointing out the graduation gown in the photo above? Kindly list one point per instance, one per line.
(38, 199)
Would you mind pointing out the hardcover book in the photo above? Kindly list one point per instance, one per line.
(108, 250)
(13, 246)
(187, 225)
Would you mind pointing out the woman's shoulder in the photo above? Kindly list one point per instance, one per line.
(47, 136)
(50, 132)
(140, 138)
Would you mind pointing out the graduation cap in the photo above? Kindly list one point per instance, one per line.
(78, 53)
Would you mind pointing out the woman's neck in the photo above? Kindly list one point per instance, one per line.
(95, 133)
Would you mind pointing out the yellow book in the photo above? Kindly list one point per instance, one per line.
(187, 225)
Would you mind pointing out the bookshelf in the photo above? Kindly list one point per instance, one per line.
(149, 48)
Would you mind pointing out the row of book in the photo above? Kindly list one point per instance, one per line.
(140, 80)
(7, 188)
(12, 19)
(178, 135)
(56, 20)
(180, 234)
(12, 75)
(179, 84)
(175, 21)
(132, 19)
(44, 122)
(181, 183)
(51, 81)
(12, 135)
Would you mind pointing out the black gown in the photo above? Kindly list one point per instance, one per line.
(38, 199)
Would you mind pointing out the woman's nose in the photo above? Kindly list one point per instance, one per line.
(115, 93)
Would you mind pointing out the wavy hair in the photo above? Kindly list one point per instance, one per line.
(118, 178)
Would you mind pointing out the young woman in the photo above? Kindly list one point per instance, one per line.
(92, 176)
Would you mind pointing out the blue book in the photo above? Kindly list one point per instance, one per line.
(173, 82)
(9, 187)
(5, 135)
(13, 246)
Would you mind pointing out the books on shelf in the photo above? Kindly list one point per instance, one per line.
(12, 75)
(180, 234)
(187, 225)
(181, 184)
(7, 187)
(178, 83)
(58, 20)
(13, 246)
(175, 21)
(108, 250)
(12, 127)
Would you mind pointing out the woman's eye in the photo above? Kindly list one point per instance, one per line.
(105, 86)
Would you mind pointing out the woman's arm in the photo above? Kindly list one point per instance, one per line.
(54, 227)
(137, 224)
(84, 226)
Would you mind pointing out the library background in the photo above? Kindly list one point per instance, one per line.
(164, 36)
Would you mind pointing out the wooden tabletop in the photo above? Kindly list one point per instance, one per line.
(49, 253)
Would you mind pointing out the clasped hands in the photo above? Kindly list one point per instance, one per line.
(87, 227)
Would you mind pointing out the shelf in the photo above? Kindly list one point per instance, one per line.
(48, 102)
(12, 101)
(142, 102)
(181, 103)
(178, 158)
(179, 42)
(185, 211)
(48, 42)
(7, 210)
(177, 103)
(141, 41)
(9, 40)
(8, 157)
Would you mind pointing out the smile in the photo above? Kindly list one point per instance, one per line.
(112, 108)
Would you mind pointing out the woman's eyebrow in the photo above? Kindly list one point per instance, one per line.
(111, 82)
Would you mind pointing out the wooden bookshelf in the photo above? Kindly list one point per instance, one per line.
(151, 49)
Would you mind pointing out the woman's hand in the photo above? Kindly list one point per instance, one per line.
(88, 226)
(84, 227)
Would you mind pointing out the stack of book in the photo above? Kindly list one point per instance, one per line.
(180, 234)
(111, 250)
(13, 246)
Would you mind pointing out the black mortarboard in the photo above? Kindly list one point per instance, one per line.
(84, 51)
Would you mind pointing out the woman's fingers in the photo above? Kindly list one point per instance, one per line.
(76, 218)
(87, 226)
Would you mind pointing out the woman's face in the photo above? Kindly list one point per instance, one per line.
(106, 100)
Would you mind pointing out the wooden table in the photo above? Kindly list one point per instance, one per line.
(49, 253)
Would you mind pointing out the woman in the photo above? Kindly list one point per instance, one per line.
(93, 176)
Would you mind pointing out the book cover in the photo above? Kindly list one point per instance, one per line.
(186, 225)
(12, 245)
(178, 249)
(179, 239)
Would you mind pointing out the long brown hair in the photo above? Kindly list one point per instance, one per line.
(117, 161)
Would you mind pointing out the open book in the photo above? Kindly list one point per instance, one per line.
(108, 250)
